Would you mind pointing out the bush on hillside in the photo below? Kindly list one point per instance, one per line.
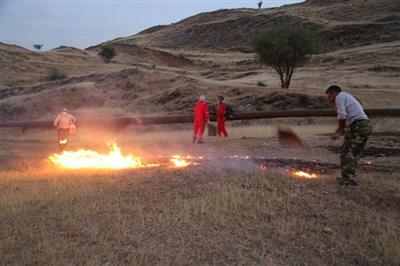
(107, 53)
(56, 74)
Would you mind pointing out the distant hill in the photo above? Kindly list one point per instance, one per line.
(163, 69)
(341, 24)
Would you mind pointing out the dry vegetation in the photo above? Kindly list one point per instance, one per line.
(221, 212)
(196, 216)
(215, 213)
(164, 69)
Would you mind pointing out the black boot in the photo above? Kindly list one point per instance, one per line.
(346, 181)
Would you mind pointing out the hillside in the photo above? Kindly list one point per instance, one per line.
(22, 67)
(163, 69)
(340, 24)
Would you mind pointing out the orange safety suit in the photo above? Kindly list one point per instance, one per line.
(201, 117)
(221, 119)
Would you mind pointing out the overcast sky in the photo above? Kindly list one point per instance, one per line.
(82, 23)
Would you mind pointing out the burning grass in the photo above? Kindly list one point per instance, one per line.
(82, 159)
(226, 211)
(114, 160)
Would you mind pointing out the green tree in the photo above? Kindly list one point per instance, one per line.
(284, 48)
(107, 52)
(38, 46)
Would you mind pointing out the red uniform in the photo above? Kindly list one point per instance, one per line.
(221, 119)
(201, 116)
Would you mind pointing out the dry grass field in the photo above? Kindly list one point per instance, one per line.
(219, 212)
(241, 204)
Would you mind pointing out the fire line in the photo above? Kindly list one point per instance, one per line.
(114, 159)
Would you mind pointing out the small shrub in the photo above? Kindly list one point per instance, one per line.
(38, 46)
(107, 52)
(56, 74)
(261, 84)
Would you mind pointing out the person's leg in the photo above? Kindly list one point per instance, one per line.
(62, 138)
(59, 138)
(195, 131)
(362, 130)
(223, 129)
(201, 132)
(347, 162)
(352, 147)
(219, 127)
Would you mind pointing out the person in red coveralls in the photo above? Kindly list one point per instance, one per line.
(221, 111)
(201, 117)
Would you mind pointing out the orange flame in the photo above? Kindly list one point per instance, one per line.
(114, 159)
(178, 161)
(304, 174)
(80, 159)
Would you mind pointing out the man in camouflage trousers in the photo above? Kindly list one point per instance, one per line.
(354, 124)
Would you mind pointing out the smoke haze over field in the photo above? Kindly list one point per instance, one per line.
(89, 22)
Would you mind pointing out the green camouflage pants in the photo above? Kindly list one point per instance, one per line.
(353, 145)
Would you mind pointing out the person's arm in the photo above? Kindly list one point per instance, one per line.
(73, 119)
(56, 120)
(207, 115)
(340, 129)
(341, 107)
(342, 115)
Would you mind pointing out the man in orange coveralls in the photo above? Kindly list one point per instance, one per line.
(201, 117)
(221, 111)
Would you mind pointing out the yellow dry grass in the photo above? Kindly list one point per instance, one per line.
(203, 215)
(187, 217)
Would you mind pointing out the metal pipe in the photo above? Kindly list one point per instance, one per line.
(120, 123)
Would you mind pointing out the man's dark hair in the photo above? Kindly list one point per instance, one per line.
(333, 88)
(221, 98)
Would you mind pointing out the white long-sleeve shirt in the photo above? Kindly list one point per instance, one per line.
(349, 108)
(64, 121)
